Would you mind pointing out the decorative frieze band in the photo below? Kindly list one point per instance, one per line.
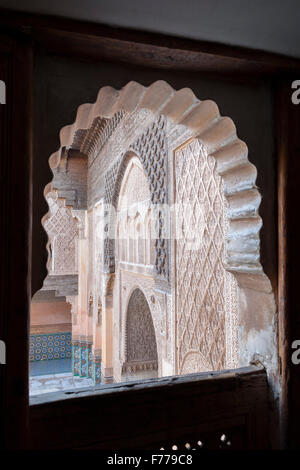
(133, 367)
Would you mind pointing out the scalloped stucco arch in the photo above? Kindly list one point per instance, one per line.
(217, 135)
(201, 120)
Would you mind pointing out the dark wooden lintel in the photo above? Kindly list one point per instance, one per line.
(90, 41)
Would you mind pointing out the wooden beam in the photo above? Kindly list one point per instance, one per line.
(156, 413)
(90, 41)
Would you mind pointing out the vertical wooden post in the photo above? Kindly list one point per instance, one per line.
(15, 236)
(283, 319)
(288, 143)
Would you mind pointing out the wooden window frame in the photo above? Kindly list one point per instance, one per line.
(21, 426)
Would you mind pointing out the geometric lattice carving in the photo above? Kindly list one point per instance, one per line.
(111, 180)
(151, 148)
(62, 231)
(141, 342)
(97, 136)
(217, 134)
(204, 288)
(90, 141)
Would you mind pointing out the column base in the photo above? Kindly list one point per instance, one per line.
(107, 375)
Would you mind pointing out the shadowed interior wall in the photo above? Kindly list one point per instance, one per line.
(61, 85)
(49, 317)
(212, 20)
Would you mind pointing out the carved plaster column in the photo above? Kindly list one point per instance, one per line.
(107, 329)
(82, 339)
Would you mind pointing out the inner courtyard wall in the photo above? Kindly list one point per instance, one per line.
(152, 150)
(109, 160)
(50, 317)
(61, 85)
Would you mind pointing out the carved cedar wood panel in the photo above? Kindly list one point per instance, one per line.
(141, 342)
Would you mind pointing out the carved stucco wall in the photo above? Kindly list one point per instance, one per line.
(140, 335)
(62, 231)
(151, 149)
(134, 276)
(98, 253)
(135, 241)
(206, 294)
(129, 281)
(152, 122)
(95, 268)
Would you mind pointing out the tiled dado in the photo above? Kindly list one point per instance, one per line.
(75, 357)
(83, 362)
(45, 347)
(97, 370)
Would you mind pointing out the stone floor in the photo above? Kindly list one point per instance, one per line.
(56, 382)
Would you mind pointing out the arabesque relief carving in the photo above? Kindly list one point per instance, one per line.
(203, 286)
(193, 272)
(140, 335)
(62, 230)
